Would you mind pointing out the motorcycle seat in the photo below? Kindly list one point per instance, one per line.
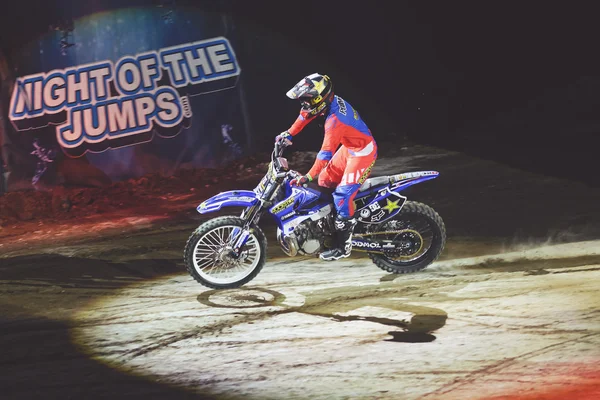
(376, 181)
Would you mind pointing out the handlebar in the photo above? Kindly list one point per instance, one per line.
(279, 147)
(278, 150)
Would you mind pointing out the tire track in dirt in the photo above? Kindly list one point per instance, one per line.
(499, 366)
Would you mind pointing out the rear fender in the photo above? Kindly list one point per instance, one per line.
(388, 202)
(232, 198)
(402, 181)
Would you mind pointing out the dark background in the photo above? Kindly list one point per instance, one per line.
(516, 82)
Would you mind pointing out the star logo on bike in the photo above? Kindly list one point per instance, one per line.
(391, 205)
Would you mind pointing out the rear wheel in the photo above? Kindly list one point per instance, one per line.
(208, 256)
(419, 234)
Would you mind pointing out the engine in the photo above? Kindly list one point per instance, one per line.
(308, 237)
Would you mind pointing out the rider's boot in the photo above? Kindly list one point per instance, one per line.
(343, 240)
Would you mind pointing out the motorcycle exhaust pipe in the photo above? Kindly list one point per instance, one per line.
(289, 246)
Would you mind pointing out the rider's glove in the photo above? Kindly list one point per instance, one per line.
(301, 180)
(284, 137)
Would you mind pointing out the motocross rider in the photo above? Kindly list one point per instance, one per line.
(347, 169)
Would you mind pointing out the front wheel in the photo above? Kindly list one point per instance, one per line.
(419, 234)
(209, 260)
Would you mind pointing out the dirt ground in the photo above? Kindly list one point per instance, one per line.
(99, 306)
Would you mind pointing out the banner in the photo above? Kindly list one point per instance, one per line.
(123, 93)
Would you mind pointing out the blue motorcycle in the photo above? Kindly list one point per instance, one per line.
(399, 236)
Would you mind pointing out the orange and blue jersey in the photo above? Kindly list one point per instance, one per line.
(352, 163)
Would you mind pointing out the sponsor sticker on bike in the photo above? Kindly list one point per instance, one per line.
(283, 205)
(388, 205)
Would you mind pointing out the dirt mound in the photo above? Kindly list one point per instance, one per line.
(151, 190)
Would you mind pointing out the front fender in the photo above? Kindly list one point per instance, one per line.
(232, 198)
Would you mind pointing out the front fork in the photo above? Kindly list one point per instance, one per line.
(251, 216)
(240, 235)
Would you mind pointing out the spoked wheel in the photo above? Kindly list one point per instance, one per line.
(209, 258)
(419, 235)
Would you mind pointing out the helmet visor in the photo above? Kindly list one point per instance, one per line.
(305, 89)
